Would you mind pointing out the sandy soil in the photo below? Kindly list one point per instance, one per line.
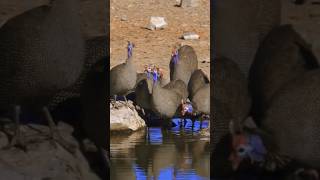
(155, 47)
(306, 20)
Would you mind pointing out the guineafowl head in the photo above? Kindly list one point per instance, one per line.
(175, 56)
(246, 145)
(130, 49)
(186, 108)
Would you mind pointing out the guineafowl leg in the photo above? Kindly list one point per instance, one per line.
(201, 119)
(17, 139)
(55, 135)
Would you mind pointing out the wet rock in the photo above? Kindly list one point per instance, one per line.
(189, 3)
(157, 23)
(124, 118)
(190, 36)
(43, 158)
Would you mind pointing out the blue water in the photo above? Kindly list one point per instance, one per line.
(160, 154)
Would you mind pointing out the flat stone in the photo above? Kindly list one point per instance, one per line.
(157, 23)
(124, 18)
(189, 3)
(190, 36)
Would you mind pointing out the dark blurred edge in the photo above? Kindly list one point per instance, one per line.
(107, 67)
(212, 60)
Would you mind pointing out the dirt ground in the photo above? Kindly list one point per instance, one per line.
(155, 47)
(306, 21)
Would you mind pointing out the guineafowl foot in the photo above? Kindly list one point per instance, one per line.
(55, 135)
(307, 174)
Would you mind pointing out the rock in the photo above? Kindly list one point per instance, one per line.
(189, 3)
(43, 159)
(124, 18)
(123, 118)
(157, 23)
(190, 36)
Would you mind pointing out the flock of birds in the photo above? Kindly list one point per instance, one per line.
(189, 87)
(267, 125)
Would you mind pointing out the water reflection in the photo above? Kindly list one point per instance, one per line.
(159, 154)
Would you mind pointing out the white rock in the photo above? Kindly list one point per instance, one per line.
(190, 36)
(44, 159)
(124, 18)
(125, 118)
(189, 3)
(157, 23)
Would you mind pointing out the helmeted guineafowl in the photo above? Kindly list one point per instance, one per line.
(230, 90)
(96, 48)
(290, 127)
(197, 80)
(123, 77)
(165, 101)
(281, 57)
(183, 63)
(42, 52)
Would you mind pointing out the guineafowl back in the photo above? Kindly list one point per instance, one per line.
(185, 66)
(231, 91)
(179, 87)
(197, 80)
(293, 119)
(41, 52)
(96, 48)
(165, 101)
(201, 99)
(281, 57)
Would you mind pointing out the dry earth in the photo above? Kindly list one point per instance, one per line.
(155, 47)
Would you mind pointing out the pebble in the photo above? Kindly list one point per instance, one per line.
(189, 3)
(157, 23)
(124, 18)
(190, 36)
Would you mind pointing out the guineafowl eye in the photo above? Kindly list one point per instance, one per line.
(242, 151)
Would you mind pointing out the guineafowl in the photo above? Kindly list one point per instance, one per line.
(42, 52)
(165, 101)
(230, 89)
(281, 57)
(200, 104)
(183, 63)
(290, 127)
(93, 97)
(197, 80)
(96, 48)
(123, 77)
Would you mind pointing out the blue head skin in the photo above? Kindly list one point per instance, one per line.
(186, 109)
(155, 77)
(251, 147)
(175, 57)
(130, 48)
